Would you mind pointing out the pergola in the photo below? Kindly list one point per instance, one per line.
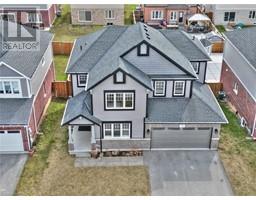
(199, 22)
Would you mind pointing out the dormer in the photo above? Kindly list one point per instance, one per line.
(119, 77)
(143, 49)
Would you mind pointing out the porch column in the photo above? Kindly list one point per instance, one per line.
(70, 139)
(93, 140)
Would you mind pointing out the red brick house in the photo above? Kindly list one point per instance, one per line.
(154, 14)
(25, 90)
(35, 15)
(239, 75)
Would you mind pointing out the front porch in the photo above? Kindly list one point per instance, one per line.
(81, 140)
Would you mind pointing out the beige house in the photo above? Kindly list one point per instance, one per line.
(88, 14)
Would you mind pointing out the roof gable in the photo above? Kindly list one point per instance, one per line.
(7, 71)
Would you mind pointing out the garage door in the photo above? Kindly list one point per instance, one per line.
(11, 141)
(181, 138)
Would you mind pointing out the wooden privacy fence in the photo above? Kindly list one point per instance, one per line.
(62, 48)
(216, 87)
(218, 47)
(62, 89)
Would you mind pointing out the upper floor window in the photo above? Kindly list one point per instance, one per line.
(119, 77)
(235, 89)
(179, 88)
(159, 88)
(117, 130)
(143, 50)
(229, 16)
(252, 14)
(85, 16)
(119, 100)
(10, 88)
(157, 14)
(196, 66)
(8, 17)
(82, 80)
(34, 17)
(109, 14)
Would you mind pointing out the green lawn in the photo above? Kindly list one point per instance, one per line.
(65, 31)
(128, 9)
(221, 28)
(60, 62)
(238, 155)
(51, 170)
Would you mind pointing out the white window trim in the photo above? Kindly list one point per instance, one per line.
(121, 131)
(14, 14)
(173, 16)
(85, 19)
(174, 89)
(235, 88)
(229, 16)
(112, 14)
(251, 15)
(4, 95)
(162, 94)
(158, 18)
(124, 101)
(81, 84)
(37, 17)
(198, 67)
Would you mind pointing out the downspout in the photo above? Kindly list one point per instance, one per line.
(28, 138)
(34, 115)
(254, 126)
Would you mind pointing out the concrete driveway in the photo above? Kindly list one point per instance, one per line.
(11, 167)
(186, 173)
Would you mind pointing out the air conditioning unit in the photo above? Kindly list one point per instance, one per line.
(243, 122)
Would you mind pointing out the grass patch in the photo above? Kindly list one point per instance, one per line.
(51, 170)
(65, 31)
(221, 28)
(60, 62)
(128, 9)
(238, 155)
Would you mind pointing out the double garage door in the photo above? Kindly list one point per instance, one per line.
(181, 138)
(11, 141)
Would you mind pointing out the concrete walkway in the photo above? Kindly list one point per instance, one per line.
(109, 161)
(11, 167)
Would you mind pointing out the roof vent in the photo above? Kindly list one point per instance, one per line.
(81, 47)
(145, 29)
(148, 37)
(147, 34)
(144, 25)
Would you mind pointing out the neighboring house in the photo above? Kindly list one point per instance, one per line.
(224, 14)
(34, 15)
(138, 88)
(154, 14)
(88, 14)
(25, 89)
(239, 74)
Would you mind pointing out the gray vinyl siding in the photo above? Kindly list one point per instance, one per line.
(138, 144)
(152, 64)
(24, 87)
(202, 69)
(240, 67)
(135, 116)
(169, 89)
(76, 89)
(41, 71)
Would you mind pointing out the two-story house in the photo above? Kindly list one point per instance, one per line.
(95, 14)
(238, 75)
(138, 88)
(224, 14)
(155, 14)
(25, 89)
(34, 15)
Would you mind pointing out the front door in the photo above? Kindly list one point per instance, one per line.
(180, 17)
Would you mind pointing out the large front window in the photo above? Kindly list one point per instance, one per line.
(119, 100)
(157, 14)
(179, 88)
(229, 16)
(117, 130)
(9, 87)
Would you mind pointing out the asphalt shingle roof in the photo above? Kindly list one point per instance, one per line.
(80, 105)
(245, 41)
(103, 49)
(25, 62)
(200, 108)
(15, 111)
